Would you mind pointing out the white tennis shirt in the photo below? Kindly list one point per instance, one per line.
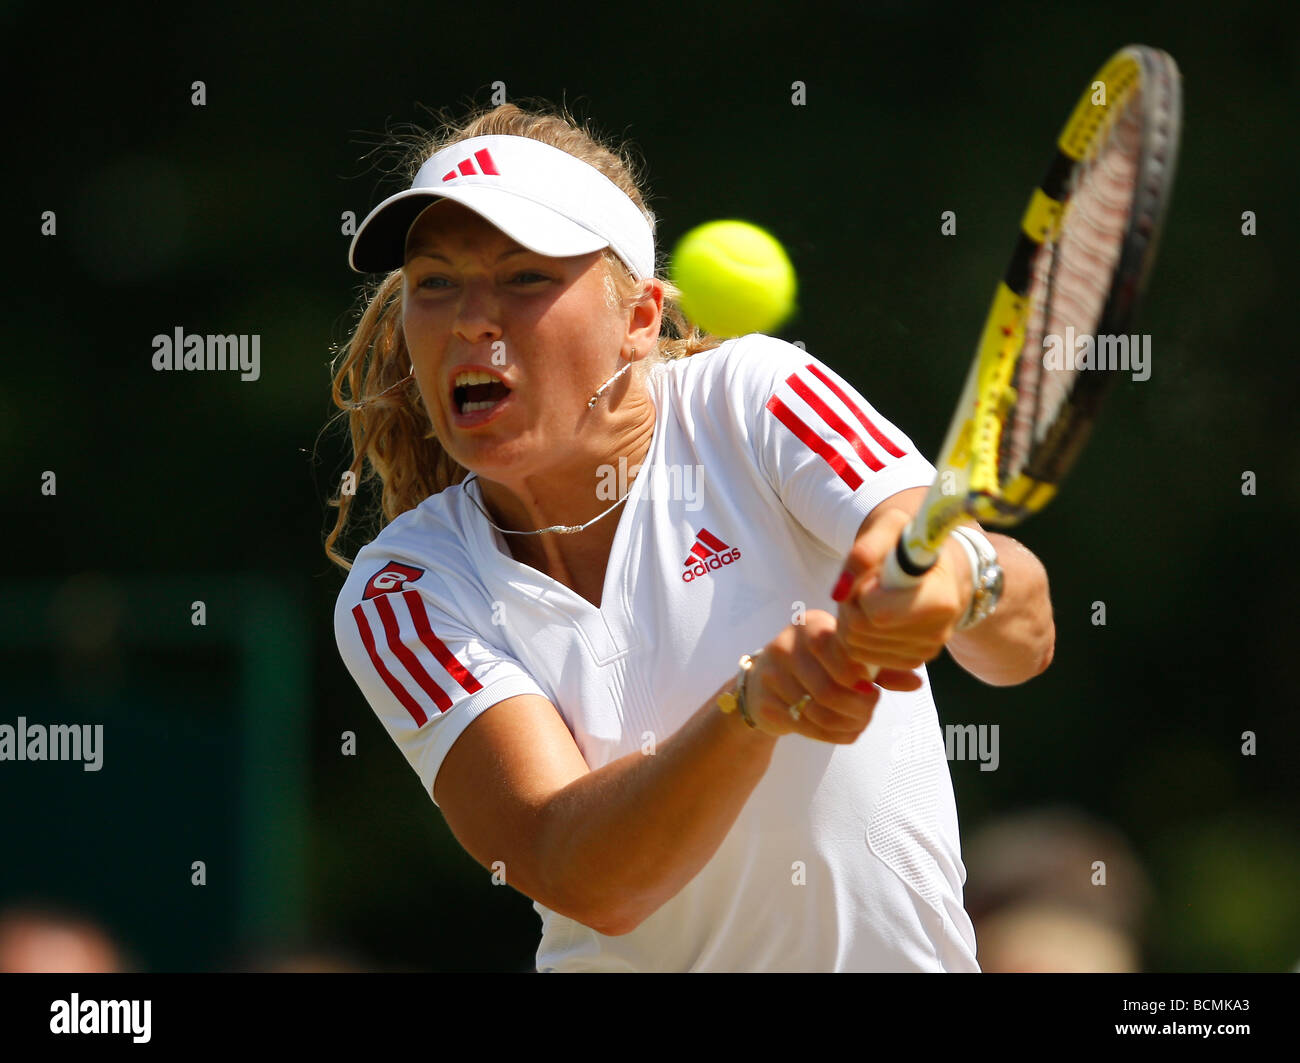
(763, 465)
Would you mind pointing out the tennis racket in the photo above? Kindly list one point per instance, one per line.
(1087, 243)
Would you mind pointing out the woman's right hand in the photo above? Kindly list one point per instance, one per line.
(809, 659)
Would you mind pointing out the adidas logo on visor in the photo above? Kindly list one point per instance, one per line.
(466, 168)
(540, 196)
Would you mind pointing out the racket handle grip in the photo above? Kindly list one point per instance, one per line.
(896, 578)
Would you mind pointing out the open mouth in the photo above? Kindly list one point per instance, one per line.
(472, 392)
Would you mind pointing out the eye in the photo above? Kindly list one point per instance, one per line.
(434, 283)
(530, 276)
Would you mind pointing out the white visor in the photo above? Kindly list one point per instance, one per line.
(541, 197)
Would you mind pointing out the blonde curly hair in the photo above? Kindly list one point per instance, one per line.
(392, 437)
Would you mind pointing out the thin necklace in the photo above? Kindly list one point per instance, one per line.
(564, 529)
(560, 529)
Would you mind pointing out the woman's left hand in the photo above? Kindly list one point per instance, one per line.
(900, 629)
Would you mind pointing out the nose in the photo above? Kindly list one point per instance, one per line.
(478, 317)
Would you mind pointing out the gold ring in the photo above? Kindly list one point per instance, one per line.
(793, 710)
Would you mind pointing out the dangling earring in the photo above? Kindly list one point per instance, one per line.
(601, 390)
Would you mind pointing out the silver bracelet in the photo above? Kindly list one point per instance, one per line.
(986, 576)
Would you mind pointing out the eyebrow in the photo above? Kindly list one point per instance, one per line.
(426, 250)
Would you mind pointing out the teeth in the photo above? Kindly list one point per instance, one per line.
(470, 407)
(473, 377)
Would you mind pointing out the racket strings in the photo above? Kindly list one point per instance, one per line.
(1070, 281)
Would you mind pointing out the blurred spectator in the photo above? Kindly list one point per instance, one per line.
(1054, 890)
(47, 940)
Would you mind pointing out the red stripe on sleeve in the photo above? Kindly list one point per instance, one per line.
(836, 422)
(403, 653)
(712, 541)
(399, 692)
(436, 646)
(829, 454)
(874, 432)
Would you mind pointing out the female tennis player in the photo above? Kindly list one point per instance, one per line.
(621, 612)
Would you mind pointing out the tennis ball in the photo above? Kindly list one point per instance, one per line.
(734, 278)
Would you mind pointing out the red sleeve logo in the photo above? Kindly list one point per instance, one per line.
(390, 579)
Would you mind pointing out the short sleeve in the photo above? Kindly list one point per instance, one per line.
(424, 670)
(828, 453)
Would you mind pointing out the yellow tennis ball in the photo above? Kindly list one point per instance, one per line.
(734, 277)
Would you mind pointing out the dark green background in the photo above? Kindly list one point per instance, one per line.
(226, 218)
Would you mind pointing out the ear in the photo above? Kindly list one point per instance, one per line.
(645, 316)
